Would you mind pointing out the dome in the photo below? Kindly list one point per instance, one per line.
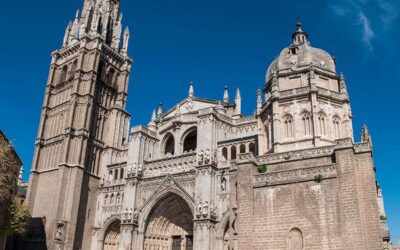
(301, 54)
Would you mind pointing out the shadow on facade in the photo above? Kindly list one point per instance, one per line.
(33, 239)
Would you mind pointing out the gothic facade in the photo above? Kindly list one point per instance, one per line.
(201, 175)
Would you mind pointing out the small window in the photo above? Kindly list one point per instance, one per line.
(121, 174)
(252, 148)
(233, 153)
(190, 142)
(224, 154)
(242, 148)
(169, 146)
(336, 125)
(295, 240)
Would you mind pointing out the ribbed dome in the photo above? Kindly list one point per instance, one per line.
(300, 54)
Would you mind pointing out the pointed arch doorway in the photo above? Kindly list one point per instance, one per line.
(112, 236)
(170, 225)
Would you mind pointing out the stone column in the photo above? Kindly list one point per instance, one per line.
(205, 212)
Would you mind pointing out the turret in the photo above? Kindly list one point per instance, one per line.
(226, 95)
(238, 102)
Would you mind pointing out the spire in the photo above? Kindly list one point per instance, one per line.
(226, 95)
(74, 34)
(238, 102)
(300, 37)
(67, 34)
(259, 101)
(125, 41)
(365, 136)
(152, 124)
(160, 110)
(191, 90)
(342, 84)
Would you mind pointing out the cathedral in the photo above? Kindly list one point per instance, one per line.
(201, 175)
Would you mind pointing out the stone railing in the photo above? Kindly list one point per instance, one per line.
(296, 91)
(329, 93)
(181, 163)
(296, 155)
(295, 175)
(363, 147)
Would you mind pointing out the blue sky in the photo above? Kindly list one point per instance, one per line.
(217, 43)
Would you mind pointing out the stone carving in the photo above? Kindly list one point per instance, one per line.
(60, 230)
(223, 183)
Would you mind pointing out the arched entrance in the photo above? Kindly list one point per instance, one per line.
(170, 225)
(112, 236)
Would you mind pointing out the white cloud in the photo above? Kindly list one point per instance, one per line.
(389, 15)
(368, 33)
(371, 16)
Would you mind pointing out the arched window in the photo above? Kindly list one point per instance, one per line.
(169, 146)
(190, 142)
(121, 174)
(63, 75)
(306, 121)
(233, 153)
(110, 175)
(242, 148)
(73, 69)
(118, 199)
(336, 125)
(295, 241)
(116, 174)
(322, 124)
(252, 148)
(110, 76)
(224, 154)
(288, 122)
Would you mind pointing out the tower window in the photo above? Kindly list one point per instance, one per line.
(322, 124)
(63, 75)
(306, 120)
(288, 123)
(336, 125)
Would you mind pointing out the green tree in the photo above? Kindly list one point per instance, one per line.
(18, 217)
(8, 169)
(14, 215)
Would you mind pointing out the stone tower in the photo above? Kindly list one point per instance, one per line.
(307, 104)
(83, 125)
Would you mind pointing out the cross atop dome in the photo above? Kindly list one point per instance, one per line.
(299, 37)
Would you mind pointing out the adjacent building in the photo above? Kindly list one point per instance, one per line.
(201, 174)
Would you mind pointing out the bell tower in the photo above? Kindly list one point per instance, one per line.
(83, 123)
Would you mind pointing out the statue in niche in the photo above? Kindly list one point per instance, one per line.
(199, 207)
(135, 217)
(102, 180)
(205, 209)
(223, 183)
(59, 232)
(201, 157)
(207, 156)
